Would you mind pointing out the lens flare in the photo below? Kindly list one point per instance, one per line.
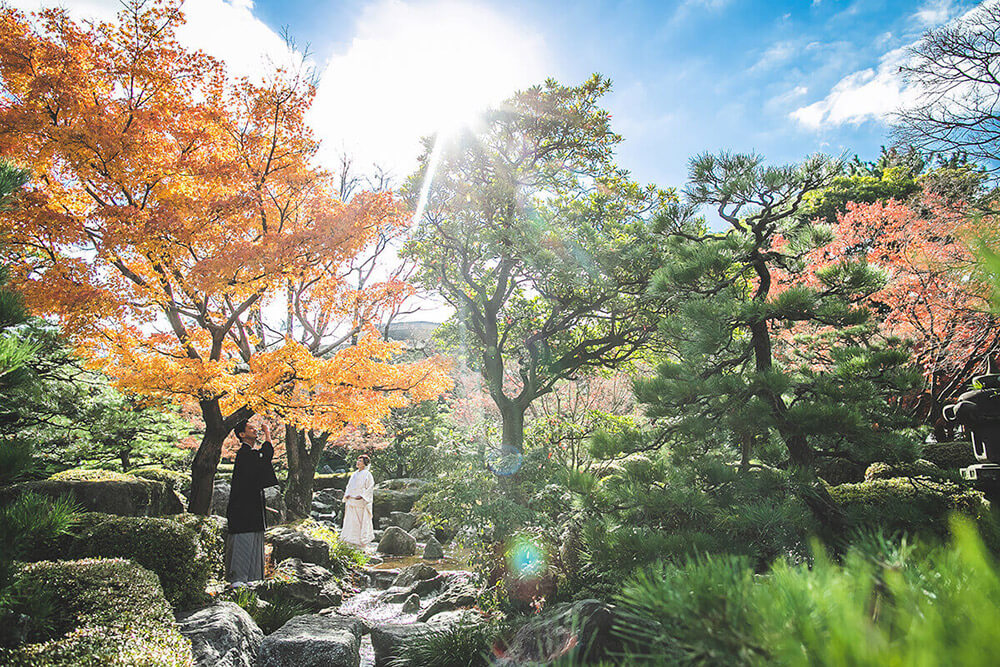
(526, 559)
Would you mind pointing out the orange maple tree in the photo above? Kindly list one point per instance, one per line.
(171, 207)
(931, 295)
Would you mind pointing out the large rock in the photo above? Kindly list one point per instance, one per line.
(314, 640)
(310, 585)
(397, 495)
(412, 604)
(580, 631)
(389, 640)
(274, 501)
(329, 499)
(220, 497)
(459, 593)
(433, 550)
(422, 533)
(412, 573)
(123, 495)
(290, 543)
(397, 542)
(405, 520)
(222, 635)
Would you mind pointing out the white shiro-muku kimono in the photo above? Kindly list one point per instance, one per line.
(358, 511)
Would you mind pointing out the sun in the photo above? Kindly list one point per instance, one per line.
(420, 68)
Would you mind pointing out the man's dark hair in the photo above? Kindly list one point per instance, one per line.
(364, 457)
(241, 427)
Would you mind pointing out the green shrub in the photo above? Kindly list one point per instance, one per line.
(949, 455)
(455, 645)
(885, 603)
(269, 616)
(92, 475)
(211, 534)
(168, 548)
(343, 557)
(918, 468)
(98, 612)
(840, 471)
(903, 504)
(178, 481)
(27, 523)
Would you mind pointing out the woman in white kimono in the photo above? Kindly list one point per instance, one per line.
(358, 498)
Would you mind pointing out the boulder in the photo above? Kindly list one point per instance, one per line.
(220, 497)
(123, 495)
(412, 604)
(422, 533)
(390, 639)
(222, 635)
(433, 550)
(310, 585)
(458, 593)
(314, 640)
(580, 631)
(462, 616)
(397, 542)
(405, 520)
(335, 480)
(381, 579)
(274, 500)
(419, 587)
(413, 573)
(328, 498)
(290, 543)
(397, 495)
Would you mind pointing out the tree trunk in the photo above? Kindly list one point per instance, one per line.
(206, 459)
(298, 492)
(512, 417)
(303, 455)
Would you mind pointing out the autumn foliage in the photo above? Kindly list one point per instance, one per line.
(931, 297)
(171, 208)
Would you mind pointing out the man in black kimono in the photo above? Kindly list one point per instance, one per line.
(252, 473)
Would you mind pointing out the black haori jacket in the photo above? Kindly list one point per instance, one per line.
(252, 473)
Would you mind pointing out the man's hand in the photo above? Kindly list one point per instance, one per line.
(267, 432)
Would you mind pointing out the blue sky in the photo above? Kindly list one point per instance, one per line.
(694, 75)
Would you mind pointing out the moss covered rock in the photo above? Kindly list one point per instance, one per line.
(918, 468)
(97, 612)
(104, 491)
(949, 455)
(335, 480)
(167, 547)
(912, 505)
(178, 481)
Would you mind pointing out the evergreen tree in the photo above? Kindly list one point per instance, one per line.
(773, 361)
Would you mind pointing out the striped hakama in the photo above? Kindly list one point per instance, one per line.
(245, 557)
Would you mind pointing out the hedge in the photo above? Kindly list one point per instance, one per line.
(167, 547)
(949, 455)
(912, 505)
(178, 481)
(107, 612)
(918, 468)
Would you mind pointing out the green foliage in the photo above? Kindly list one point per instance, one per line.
(30, 520)
(168, 548)
(71, 413)
(949, 455)
(886, 602)
(453, 645)
(178, 481)
(416, 436)
(913, 505)
(96, 612)
(918, 468)
(212, 543)
(543, 245)
(651, 509)
(343, 557)
(269, 616)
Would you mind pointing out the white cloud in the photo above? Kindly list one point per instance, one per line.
(874, 93)
(775, 55)
(867, 94)
(934, 12)
(415, 67)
